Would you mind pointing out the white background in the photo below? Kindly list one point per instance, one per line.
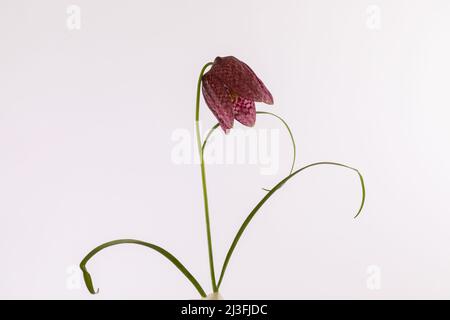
(86, 118)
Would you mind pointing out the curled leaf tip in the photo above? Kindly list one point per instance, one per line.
(363, 189)
(88, 281)
(358, 213)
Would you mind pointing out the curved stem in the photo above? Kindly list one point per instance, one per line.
(269, 194)
(209, 135)
(211, 131)
(294, 148)
(88, 279)
(202, 167)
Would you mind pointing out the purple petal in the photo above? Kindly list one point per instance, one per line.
(240, 79)
(218, 99)
(245, 111)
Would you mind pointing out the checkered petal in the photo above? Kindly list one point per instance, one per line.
(245, 111)
(240, 79)
(218, 99)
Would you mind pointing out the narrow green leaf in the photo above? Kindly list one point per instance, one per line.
(88, 279)
(269, 194)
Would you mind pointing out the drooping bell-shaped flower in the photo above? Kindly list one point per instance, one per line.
(230, 89)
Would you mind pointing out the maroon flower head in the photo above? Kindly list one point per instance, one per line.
(230, 89)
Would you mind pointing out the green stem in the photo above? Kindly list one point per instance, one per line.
(209, 135)
(205, 191)
(294, 148)
(88, 279)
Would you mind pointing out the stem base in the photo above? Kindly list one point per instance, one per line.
(213, 296)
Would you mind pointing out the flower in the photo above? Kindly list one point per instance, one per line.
(230, 89)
